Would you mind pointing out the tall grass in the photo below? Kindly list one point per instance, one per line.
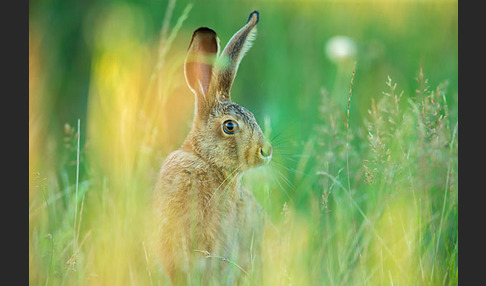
(362, 188)
(384, 204)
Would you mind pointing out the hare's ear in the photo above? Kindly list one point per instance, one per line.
(198, 66)
(232, 54)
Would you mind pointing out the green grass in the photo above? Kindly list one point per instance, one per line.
(362, 188)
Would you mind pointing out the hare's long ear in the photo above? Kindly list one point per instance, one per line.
(232, 54)
(198, 66)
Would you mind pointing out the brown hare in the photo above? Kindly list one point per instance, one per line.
(208, 224)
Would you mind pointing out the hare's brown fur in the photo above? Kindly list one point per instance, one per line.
(204, 209)
(206, 219)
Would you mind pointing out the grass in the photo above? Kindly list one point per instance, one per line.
(362, 188)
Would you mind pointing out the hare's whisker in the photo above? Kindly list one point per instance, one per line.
(274, 138)
(287, 181)
(284, 157)
(222, 183)
(275, 179)
(228, 185)
(292, 170)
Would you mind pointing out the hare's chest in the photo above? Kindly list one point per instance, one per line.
(221, 208)
(222, 216)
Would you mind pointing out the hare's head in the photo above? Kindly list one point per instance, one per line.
(224, 133)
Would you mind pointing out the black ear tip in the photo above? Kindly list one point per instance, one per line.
(206, 39)
(257, 14)
(204, 30)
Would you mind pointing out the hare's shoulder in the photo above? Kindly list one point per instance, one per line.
(184, 162)
(183, 170)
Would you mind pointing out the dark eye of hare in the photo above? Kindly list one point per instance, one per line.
(230, 127)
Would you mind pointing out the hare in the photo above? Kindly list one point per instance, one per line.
(208, 224)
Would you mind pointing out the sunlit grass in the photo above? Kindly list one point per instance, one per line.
(361, 190)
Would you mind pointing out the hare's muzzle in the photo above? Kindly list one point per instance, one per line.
(266, 152)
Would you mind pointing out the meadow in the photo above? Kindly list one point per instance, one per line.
(358, 98)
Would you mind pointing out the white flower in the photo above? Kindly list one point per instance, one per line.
(340, 48)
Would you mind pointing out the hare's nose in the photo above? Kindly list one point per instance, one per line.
(266, 150)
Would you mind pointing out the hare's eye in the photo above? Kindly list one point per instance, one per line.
(230, 127)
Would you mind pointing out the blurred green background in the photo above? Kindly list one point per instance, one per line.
(117, 67)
